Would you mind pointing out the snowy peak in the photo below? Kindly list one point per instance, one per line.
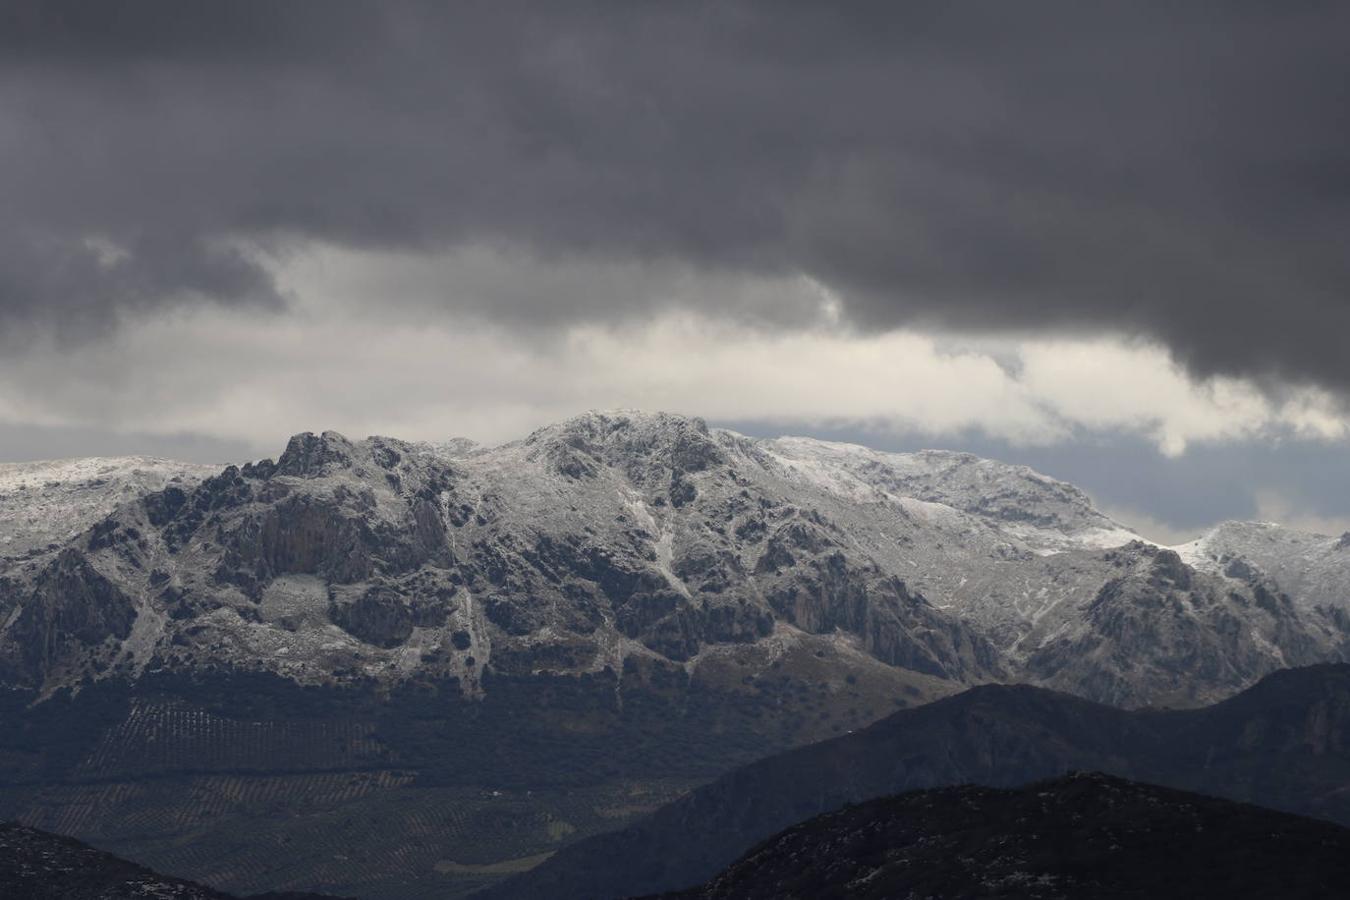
(309, 455)
(642, 445)
(1314, 569)
(52, 501)
(1045, 512)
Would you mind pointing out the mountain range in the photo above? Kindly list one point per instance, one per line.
(619, 536)
(458, 659)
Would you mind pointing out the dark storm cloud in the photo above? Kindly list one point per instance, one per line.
(1175, 170)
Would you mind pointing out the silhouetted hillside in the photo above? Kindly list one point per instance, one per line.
(1284, 743)
(36, 865)
(1085, 835)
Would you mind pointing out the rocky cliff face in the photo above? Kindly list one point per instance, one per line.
(619, 537)
(71, 621)
(1161, 623)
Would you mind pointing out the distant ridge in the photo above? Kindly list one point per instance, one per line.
(1284, 743)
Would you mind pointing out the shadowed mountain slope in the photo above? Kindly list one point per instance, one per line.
(1284, 743)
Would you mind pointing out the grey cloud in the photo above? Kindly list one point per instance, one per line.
(536, 297)
(82, 283)
(1178, 171)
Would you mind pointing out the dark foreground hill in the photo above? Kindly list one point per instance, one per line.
(36, 865)
(1085, 835)
(1284, 743)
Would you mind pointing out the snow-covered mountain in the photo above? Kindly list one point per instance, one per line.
(628, 535)
(51, 502)
(1313, 569)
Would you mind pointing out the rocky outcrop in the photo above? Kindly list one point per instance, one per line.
(1156, 630)
(896, 626)
(309, 455)
(300, 536)
(72, 612)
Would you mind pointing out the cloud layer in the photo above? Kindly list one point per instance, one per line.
(237, 377)
(1174, 172)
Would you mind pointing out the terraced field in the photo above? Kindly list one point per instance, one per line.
(176, 737)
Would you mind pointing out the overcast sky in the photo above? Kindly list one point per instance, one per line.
(1105, 239)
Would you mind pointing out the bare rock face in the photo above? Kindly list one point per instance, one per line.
(826, 595)
(1159, 624)
(629, 536)
(385, 615)
(313, 456)
(379, 616)
(71, 614)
